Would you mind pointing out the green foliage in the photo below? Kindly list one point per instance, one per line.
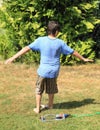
(96, 32)
(84, 48)
(6, 47)
(96, 37)
(27, 20)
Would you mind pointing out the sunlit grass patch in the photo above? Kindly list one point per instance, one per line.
(79, 93)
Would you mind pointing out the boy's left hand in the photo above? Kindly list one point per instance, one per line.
(87, 60)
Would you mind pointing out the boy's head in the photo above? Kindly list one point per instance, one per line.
(53, 27)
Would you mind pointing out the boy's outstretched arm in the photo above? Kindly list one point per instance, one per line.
(76, 54)
(20, 53)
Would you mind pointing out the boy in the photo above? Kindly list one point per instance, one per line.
(50, 49)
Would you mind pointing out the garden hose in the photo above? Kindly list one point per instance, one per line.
(52, 117)
(83, 115)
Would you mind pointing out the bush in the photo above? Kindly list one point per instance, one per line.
(25, 21)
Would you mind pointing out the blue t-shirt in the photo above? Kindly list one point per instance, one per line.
(50, 51)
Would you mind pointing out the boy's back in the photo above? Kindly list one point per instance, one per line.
(50, 50)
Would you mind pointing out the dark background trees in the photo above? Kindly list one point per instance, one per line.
(23, 21)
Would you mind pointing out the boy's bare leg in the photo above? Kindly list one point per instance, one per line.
(38, 103)
(51, 98)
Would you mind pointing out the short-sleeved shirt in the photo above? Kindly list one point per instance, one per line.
(50, 50)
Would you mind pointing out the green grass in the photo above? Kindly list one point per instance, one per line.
(79, 93)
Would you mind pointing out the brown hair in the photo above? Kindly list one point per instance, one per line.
(52, 27)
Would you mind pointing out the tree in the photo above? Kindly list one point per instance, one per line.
(96, 31)
(28, 19)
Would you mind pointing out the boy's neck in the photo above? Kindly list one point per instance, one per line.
(51, 36)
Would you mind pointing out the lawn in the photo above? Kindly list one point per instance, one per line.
(79, 93)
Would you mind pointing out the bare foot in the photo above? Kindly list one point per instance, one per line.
(45, 107)
(36, 111)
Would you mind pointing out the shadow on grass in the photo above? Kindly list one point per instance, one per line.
(74, 104)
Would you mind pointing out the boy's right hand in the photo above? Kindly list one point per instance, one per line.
(9, 61)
